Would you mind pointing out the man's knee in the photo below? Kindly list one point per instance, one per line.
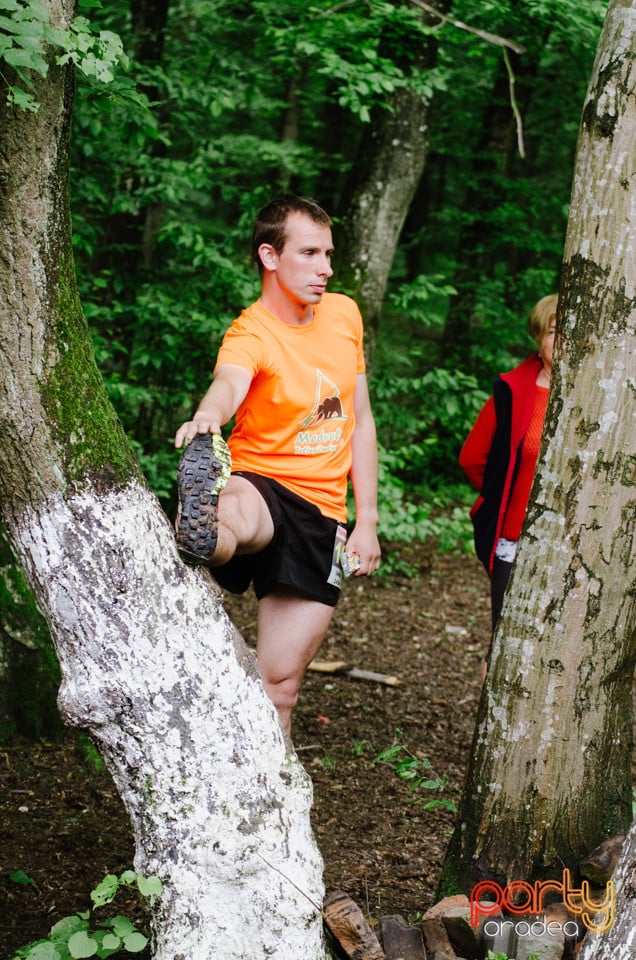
(244, 514)
(284, 692)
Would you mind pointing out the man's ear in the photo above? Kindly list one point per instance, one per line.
(268, 256)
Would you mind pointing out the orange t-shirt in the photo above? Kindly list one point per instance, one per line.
(520, 493)
(296, 422)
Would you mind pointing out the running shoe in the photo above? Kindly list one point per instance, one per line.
(203, 471)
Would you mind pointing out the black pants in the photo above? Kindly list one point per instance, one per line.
(498, 583)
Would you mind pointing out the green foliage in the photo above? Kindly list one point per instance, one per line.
(424, 421)
(405, 518)
(23, 24)
(164, 191)
(32, 675)
(329, 763)
(504, 956)
(75, 937)
(171, 157)
(91, 757)
(417, 772)
(358, 48)
(20, 615)
(25, 34)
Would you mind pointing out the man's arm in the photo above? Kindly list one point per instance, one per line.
(223, 398)
(364, 479)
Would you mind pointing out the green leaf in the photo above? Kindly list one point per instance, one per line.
(9, 5)
(128, 876)
(28, 28)
(105, 891)
(35, 11)
(67, 926)
(108, 37)
(81, 945)
(111, 942)
(43, 951)
(136, 942)
(19, 876)
(149, 886)
(58, 37)
(17, 57)
(81, 25)
(437, 784)
(122, 926)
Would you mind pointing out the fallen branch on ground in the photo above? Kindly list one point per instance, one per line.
(342, 668)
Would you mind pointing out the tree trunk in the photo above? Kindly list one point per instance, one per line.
(619, 942)
(151, 666)
(549, 776)
(385, 177)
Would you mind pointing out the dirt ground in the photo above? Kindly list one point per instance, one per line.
(62, 823)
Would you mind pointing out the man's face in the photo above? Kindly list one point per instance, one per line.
(304, 264)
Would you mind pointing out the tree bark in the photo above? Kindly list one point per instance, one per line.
(619, 942)
(385, 176)
(151, 666)
(550, 771)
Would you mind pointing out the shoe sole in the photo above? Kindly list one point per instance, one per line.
(203, 471)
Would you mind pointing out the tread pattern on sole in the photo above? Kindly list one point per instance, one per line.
(203, 471)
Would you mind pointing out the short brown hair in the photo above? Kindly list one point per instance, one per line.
(270, 221)
(541, 316)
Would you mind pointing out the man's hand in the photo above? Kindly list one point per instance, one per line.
(364, 542)
(199, 424)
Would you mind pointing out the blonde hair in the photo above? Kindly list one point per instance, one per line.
(541, 316)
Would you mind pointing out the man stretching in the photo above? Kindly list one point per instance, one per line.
(291, 368)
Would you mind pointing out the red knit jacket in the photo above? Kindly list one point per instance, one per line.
(490, 453)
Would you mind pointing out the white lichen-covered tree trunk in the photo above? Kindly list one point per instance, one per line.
(155, 671)
(550, 771)
(619, 942)
(152, 668)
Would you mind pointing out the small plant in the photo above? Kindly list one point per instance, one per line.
(91, 757)
(72, 937)
(329, 762)
(418, 771)
(504, 956)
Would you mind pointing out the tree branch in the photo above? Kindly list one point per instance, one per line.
(484, 34)
(515, 105)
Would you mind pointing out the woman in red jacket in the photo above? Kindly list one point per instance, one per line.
(500, 453)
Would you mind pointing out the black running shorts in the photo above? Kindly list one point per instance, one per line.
(299, 556)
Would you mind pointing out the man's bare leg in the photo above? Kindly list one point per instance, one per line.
(244, 522)
(290, 632)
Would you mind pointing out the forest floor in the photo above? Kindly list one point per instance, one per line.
(63, 826)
